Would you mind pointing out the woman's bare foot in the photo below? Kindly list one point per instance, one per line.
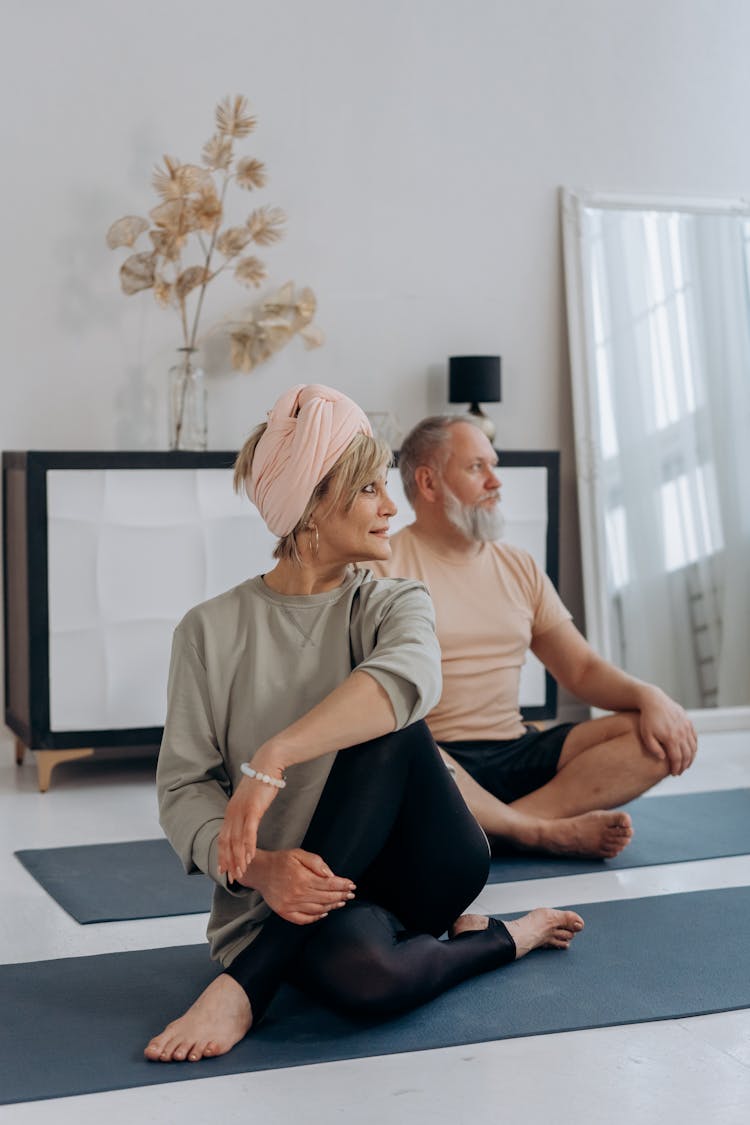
(218, 1019)
(601, 834)
(544, 927)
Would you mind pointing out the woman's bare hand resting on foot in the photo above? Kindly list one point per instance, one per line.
(298, 885)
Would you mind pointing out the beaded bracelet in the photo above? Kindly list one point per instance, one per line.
(277, 782)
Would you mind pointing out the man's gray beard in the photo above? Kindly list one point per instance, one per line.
(483, 525)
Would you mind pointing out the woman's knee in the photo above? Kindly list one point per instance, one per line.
(400, 754)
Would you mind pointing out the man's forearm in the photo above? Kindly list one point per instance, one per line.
(604, 686)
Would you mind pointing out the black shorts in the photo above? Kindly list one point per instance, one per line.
(513, 767)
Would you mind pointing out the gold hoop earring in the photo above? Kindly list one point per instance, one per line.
(314, 543)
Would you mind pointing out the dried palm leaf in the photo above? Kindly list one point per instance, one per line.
(164, 179)
(250, 348)
(181, 180)
(217, 153)
(190, 279)
(233, 118)
(206, 210)
(275, 327)
(163, 292)
(233, 241)
(250, 174)
(306, 305)
(312, 336)
(166, 244)
(264, 225)
(281, 301)
(137, 272)
(242, 351)
(172, 216)
(126, 231)
(263, 351)
(194, 178)
(250, 271)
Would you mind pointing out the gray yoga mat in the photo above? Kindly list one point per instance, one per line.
(144, 878)
(77, 1025)
(118, 882)
(667, 830)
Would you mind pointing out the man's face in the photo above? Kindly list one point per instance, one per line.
(471, 495)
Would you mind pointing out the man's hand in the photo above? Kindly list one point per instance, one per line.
(239, 832)
(666, 730)
(297, 885)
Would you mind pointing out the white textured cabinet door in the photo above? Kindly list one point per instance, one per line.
(129, 552)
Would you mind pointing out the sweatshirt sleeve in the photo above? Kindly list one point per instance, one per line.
(192, 783)
(394, 642)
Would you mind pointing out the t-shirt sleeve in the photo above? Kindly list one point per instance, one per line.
(394, 641)
(192, 783)
(549, 609)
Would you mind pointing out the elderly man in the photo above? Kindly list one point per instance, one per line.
(555, 790)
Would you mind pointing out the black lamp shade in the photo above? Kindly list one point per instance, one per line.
(474, 378)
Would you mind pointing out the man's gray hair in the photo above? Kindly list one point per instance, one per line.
(426, 444)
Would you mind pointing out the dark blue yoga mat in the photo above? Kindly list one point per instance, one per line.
(667, 830)
(118, 882)
(144, 878)
(78, 1025)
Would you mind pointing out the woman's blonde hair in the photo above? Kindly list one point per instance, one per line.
(357, 466)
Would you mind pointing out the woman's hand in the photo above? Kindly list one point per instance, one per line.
(239, 832)
(298, 885)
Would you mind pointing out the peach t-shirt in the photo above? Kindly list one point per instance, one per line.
(487, 610)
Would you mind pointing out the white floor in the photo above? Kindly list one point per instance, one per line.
(687, 1071)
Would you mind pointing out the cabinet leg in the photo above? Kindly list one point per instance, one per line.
(20, 752)
(46, 760)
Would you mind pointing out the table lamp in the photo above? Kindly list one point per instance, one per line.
(475, 379)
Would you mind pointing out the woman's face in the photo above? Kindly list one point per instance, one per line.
(359, 534)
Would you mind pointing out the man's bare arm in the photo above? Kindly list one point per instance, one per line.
(665, 728)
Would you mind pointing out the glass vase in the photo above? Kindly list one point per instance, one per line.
(188, 427)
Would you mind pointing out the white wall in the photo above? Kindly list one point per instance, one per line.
(417, 147)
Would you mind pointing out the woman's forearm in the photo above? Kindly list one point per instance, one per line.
(356, 711)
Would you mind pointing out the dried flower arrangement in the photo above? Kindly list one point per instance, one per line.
(190, 216)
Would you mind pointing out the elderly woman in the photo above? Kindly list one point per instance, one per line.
(295, 770)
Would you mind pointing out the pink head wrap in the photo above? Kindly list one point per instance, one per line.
(308, 429)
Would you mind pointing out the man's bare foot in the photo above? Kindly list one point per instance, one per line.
(600, 834)
(218, 1019)
(593, 835)
(544, 927)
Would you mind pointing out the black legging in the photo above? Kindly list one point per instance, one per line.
(391, 819)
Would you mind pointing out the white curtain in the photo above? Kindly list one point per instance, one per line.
(669, 298)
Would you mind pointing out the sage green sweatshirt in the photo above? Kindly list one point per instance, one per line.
(247, 664)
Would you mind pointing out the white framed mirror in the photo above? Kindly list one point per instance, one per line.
(659, 327)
